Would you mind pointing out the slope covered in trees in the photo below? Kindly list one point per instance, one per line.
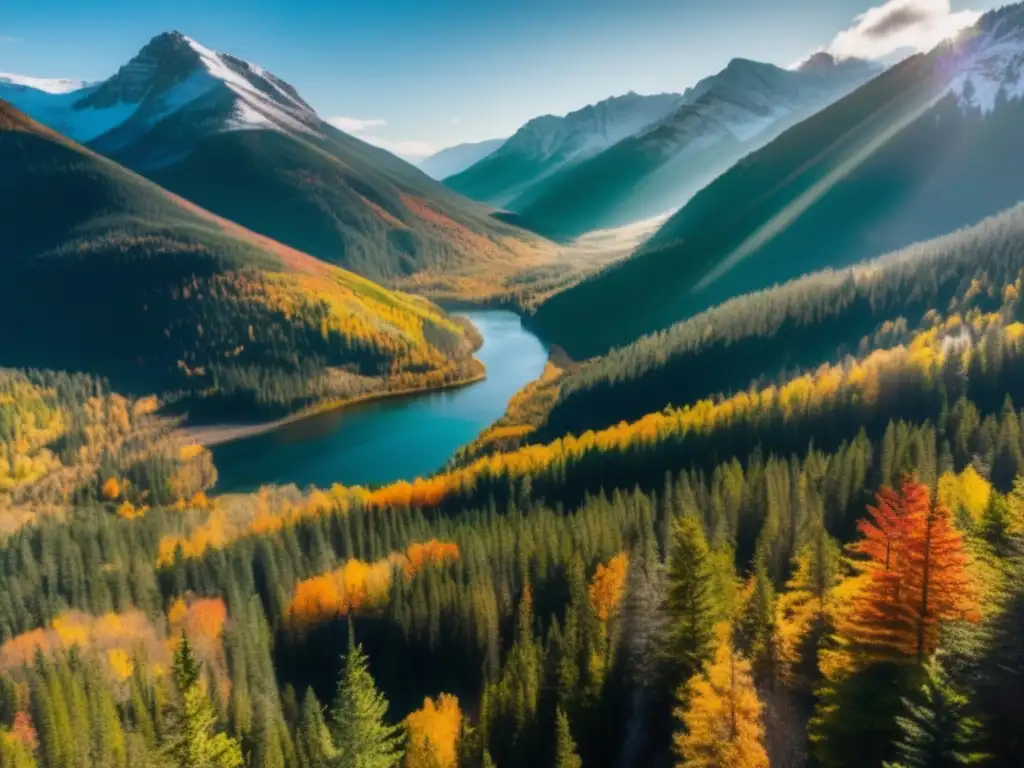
(822, 567)
(816, 319)
(913, 154)
(161, 296)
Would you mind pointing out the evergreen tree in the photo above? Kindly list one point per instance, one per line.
(935, 730)
(689, 604)
(313, 739)
(361, 736)
(192, 741)
(565, 747)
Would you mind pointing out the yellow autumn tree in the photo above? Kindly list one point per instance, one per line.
(968, 491)
(722, 723)
(433, 734)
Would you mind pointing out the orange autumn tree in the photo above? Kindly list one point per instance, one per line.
(918, 577)
(433, 734)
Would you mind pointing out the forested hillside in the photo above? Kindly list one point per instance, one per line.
(929, 146)
(766, 510)
(833, 555)
(235, 139)
(162, 296)
(770, 335)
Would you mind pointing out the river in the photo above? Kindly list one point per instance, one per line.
(391, 439)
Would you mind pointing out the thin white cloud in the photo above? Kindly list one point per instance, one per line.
(456, 121)
(355, 124)
(410, 150)
(8, 39)
(900, 24)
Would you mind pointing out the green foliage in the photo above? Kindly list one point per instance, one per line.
(770, 210)
(565, 747)
(936, 731)
(361, 736)
(689, 601)
(237, 324)
(192, 741)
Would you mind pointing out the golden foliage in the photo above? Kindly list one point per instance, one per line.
(968, 491)
(358, 585)
(608, 586)
(116, 638)
(723, 727)
(433, 734)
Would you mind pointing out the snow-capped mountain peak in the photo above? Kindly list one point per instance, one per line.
(172, 76)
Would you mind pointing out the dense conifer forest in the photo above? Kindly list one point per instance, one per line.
(783, 531)
(822, 568)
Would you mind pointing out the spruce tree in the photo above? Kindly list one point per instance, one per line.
(192, 742)
(689, 603)
(313, 739)
(565, 747)
(935, 730)
(361, 736)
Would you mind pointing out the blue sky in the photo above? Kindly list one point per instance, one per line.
(418, 75)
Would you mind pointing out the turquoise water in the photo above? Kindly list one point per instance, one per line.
(393, 439)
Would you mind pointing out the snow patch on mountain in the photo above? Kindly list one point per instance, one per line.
(256, 108)
(991, 70)
(590, 130)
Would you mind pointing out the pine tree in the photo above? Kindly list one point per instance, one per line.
(313, 739)
(565, 747)
(935, 730)
(361, 736)
(689, 605)
(758, 626)
(721, 715)
(192, 742)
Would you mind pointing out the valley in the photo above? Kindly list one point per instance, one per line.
(681, 428)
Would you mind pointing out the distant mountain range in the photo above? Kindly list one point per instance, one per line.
(718, 121)
(233, 138)
(106, 272)
(548, 143)
(933, 144)
(453, 160)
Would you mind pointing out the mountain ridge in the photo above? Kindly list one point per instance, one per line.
(884, 167)
(548, 142)
(719, 120)
(238, 141)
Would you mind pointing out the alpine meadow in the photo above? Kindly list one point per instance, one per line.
(681, 426)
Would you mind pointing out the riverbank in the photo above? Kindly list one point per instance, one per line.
(218, 434)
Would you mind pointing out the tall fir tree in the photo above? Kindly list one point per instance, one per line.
(192, 740)
(689, 601)
(565, 748)
(313, 738)
(362, 737)
(936, 731)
